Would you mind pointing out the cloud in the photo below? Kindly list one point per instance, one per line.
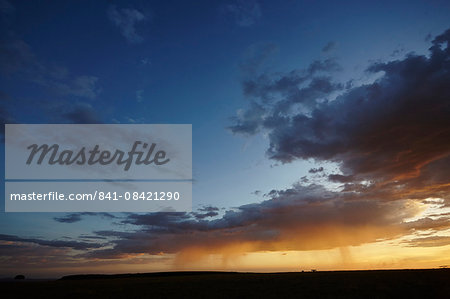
(19, 62)
(18, 59)
(16, 55)
(82, 113)
(440, 224)
(209, 209)
(255, 56)
(257, 192)
(205, 212)
(339, 178)
(391, 139)
(80, 86)
(330, 46)
(139, 95)
(297, 86)
(248, 121)
(245, 12)
(315, 170)
(433, 241)
(327, 65)
(76, 217)
(70, 218)
(49, 261)
(300, 218)
(274, 96)
(393, 133)
(126, 19)
(51, 243)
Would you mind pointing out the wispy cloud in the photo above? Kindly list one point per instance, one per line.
(429, 241)
(139, 95)
(256, 56)
(18, 59)
(51, 243)
(206, 212)
(19, 62)
(76, 217)
(330, 46)
(82, 113)
(244, 12)
(126, 19)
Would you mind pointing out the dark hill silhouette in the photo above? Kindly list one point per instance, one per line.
(431, 283)
(152, 274)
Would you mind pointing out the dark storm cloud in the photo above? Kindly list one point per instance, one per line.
(392, 129)
(300, 218)
(338, 178)
(51, 243)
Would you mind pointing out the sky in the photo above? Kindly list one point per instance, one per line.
(321, 130)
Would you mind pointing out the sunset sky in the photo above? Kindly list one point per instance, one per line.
(321, 130)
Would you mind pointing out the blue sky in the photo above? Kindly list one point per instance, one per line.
(184, 62)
